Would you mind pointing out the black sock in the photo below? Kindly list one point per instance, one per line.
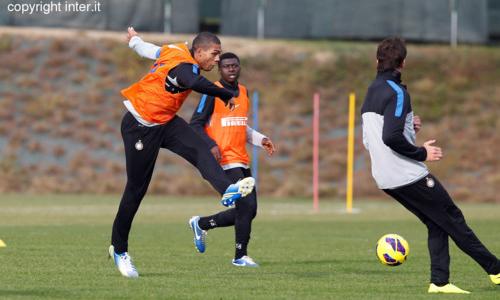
(207, 223)
(241, 250)
(440, 284)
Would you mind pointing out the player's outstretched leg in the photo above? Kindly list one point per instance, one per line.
(184, 141)
(237, 190)
(124, 263)
(199, 234)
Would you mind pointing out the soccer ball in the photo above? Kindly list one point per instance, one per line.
(392, 249)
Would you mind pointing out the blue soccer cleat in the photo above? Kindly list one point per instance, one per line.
(124, 263)
(237, 190)
(245, 261)
(199, 234)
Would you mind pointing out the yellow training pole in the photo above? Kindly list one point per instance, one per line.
(350, 152)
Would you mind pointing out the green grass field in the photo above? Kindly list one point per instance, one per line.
(57, 247)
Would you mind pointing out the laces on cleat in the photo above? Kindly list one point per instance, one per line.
(124, 263)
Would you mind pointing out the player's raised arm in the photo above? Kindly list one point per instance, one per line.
(188, 76)
(144, 49)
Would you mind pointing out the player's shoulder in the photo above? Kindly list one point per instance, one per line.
(242, 87)
(380, 83)
(388, 88)
(172, 51)
(379, 93)
(379, 88)
(395, 89)
(185, 69)
(177, 46)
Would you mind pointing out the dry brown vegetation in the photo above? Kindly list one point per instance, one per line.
(61, 108)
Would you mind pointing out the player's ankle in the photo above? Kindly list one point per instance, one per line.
(240, 251)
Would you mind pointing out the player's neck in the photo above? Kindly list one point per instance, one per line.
(233, 85)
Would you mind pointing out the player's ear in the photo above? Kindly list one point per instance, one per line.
(197, 53)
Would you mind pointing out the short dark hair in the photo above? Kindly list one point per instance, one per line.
(228, 55)
(391, 53)
(203, 39)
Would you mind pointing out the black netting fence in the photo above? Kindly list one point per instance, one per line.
(419, 20)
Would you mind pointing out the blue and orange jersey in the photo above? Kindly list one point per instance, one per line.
(148, 95)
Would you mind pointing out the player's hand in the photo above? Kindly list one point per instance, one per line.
(268, 145)
(216, 153)
(433, 153)
(230, 104)
(417, 123)
(131, 33)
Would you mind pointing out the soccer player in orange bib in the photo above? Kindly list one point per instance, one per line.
(152, 123)
(226, 133)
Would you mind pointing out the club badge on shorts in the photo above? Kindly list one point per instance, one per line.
(430, 182)
(139, 146)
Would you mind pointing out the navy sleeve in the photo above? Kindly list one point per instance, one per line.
(201, 117)
(188, 77)
(394, 123)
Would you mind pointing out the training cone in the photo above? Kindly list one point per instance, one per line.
(2, 244)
